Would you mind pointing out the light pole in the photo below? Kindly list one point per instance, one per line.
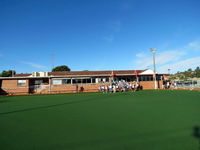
(169, 71)
(153, 51)
(12, 73)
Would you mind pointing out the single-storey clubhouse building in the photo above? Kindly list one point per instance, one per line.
(75, 81)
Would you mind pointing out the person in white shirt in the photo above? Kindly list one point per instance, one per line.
(100, 90)
(110, 88)
(106, 88)
(114, 89)
(133, 87)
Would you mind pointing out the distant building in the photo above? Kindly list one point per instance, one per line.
(73, 81)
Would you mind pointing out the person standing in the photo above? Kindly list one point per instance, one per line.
(76, 88)
(133, 87)
(114, 89)
(106, 88)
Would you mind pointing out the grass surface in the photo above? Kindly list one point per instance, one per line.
(144, 120)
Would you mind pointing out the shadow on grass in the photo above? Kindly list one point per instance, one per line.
(4, 101)
(50, 106)
(196, 134)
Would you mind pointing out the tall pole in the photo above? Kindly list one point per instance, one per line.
(153, 51)
(169, 71)
(52, 60)
(49, 85)
(12, 73)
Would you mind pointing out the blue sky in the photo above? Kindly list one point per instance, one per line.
(99, 34)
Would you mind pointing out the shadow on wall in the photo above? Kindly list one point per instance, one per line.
(2, 92)
(81, 89)
(196, 134)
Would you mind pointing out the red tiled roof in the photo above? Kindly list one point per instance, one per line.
(94, 73)
(22, 75)
(88, 73)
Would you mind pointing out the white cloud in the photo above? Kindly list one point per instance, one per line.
(179, 59)
(175, 60)
(181, 65)
(116, 25)
(109, 38)
(140, 55)
(195, 45)
(169, 56)
(126, 6)
(34, 65)
(143, 60)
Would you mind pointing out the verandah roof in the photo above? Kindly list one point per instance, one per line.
(81, 74)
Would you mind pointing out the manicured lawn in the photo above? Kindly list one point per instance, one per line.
(144, 120)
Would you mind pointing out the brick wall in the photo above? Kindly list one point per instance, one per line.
(151, 84)
(11, 87)
(93, 87)
(68, 88)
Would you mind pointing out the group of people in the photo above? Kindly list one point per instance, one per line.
(120, 86)
(170, 85)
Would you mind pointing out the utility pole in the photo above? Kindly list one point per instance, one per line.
(169, 71)
(52, 60)
(12, 73)
(153, 51)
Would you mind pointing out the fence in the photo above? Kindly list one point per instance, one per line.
(187, 84)
(47, 89)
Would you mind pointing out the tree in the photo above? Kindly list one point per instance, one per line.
(188, 74)
(8, 73)
(197, 69)
(61, 68)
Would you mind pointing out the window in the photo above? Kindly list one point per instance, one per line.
(141, 78)
(146, 78)
(101, 80)
(66, 81)
(79, 80)
(38, 82)
(74, 81)
(93, 80)
(150, 78)
(158, 78)
(84, 81)
(88, 80)
(21, 83)
(61, 81)
(57, 81)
